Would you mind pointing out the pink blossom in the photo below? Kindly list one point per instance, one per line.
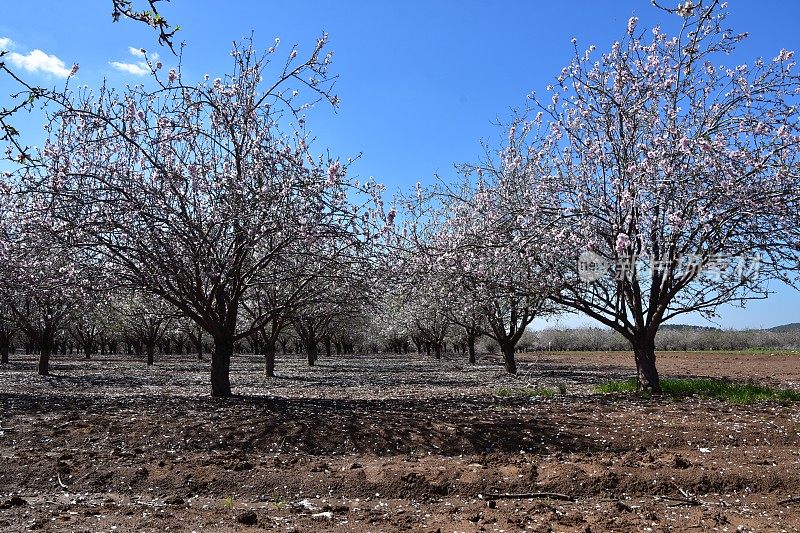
(685, 9)
(333, 173)
(74, 70)
(623, 241)
(632, 24)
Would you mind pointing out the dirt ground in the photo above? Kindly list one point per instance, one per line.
(393, 443)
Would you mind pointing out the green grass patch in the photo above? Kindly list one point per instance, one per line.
(523, 392)
(628, 385)
(741, 393)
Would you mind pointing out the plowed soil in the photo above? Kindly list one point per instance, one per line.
(394, 443)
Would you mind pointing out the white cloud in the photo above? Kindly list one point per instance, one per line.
(6, 43)
(38, 61)
(141, 53)
(139, 68)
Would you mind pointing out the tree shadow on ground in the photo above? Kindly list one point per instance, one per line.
(314, 426)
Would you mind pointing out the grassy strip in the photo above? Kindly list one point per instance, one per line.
(709, 388)
(525, 392)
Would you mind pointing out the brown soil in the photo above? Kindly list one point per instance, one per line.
(393, 443)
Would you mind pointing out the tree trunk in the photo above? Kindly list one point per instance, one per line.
(198, 346)
(4, 353)
(269, 362)
(471, 347)
(311, 350)
(508, 359)
(150, 354)
(270, 348)
(44, 360)
(644, 352)
(221, 367)
(438, 350)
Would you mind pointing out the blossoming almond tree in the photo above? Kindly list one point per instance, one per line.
(192, 193)
(145, 320)
(504, 272)
(677, 176)
(466, 247)
(41, 280)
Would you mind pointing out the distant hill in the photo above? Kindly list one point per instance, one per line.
(786, 327)
(685, 327)
(689, 327)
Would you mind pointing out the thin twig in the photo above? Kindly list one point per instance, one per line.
(58, 475)
(681, 501)
(790, 501)
(527, 495)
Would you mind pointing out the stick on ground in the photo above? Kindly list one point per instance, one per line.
(527, 495)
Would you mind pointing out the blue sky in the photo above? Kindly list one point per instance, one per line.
(421, 82)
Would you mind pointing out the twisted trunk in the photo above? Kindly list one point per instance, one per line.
(4, 350)
(644, 352)
(311, 351)
(471, 348)
(151, 349)
(221, 366)
(46, 343)
(44, 361)
(509, 360)
(270, 348)
(269, 362)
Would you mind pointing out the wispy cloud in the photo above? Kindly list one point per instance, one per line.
(6, 44)
(38, 61)
(140, 52)
(137, 68)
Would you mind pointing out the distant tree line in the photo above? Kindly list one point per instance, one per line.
(668, 339)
